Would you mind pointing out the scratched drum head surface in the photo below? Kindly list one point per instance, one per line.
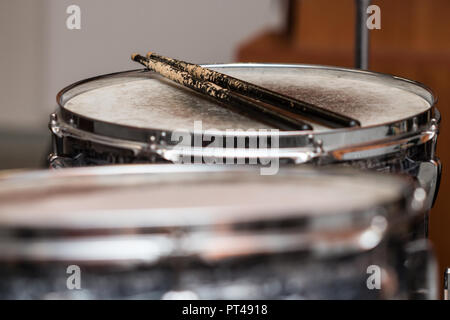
(150, 102)
(149, 196)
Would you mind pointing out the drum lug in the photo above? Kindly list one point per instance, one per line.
(54, 125)
(318, 151)
(434, 125)
(429, 177)
(435, 121)
(317, 144)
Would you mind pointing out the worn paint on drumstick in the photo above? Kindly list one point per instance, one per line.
(296, 106)
(202, 73)
(183, 78)
(252, 109)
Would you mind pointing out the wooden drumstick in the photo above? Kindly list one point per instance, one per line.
(252, 109)
(301, 108)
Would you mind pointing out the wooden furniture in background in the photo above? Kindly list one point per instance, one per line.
(414, 42)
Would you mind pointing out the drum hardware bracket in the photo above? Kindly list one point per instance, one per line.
(54, 125)
(429, 177)
(319, 151)
(57, 162)
(434, 126)
(62, 130)
(155, 147)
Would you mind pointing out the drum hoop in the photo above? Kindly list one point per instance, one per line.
(298, 149)
(203, 246)
(432, 98)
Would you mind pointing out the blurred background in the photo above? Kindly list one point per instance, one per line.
(40, 55)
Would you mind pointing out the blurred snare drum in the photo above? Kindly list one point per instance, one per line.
(165, 231)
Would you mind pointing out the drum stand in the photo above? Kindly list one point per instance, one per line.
(361, 35)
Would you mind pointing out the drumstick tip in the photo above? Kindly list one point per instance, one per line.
(133, 56)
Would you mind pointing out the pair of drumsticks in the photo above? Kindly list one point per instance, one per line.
(258, 103)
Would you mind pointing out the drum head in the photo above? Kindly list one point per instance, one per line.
(144, 100)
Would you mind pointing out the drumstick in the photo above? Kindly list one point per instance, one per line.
(252, 109)
(302, 108)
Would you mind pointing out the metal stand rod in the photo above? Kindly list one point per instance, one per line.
(446, 285)
(361, 35)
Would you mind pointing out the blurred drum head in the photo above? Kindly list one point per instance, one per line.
(298, 209)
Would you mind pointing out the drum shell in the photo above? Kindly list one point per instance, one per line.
(292, 276)
(296, 275)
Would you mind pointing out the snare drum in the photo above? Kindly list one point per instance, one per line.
(166, 231)
(130, 117)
